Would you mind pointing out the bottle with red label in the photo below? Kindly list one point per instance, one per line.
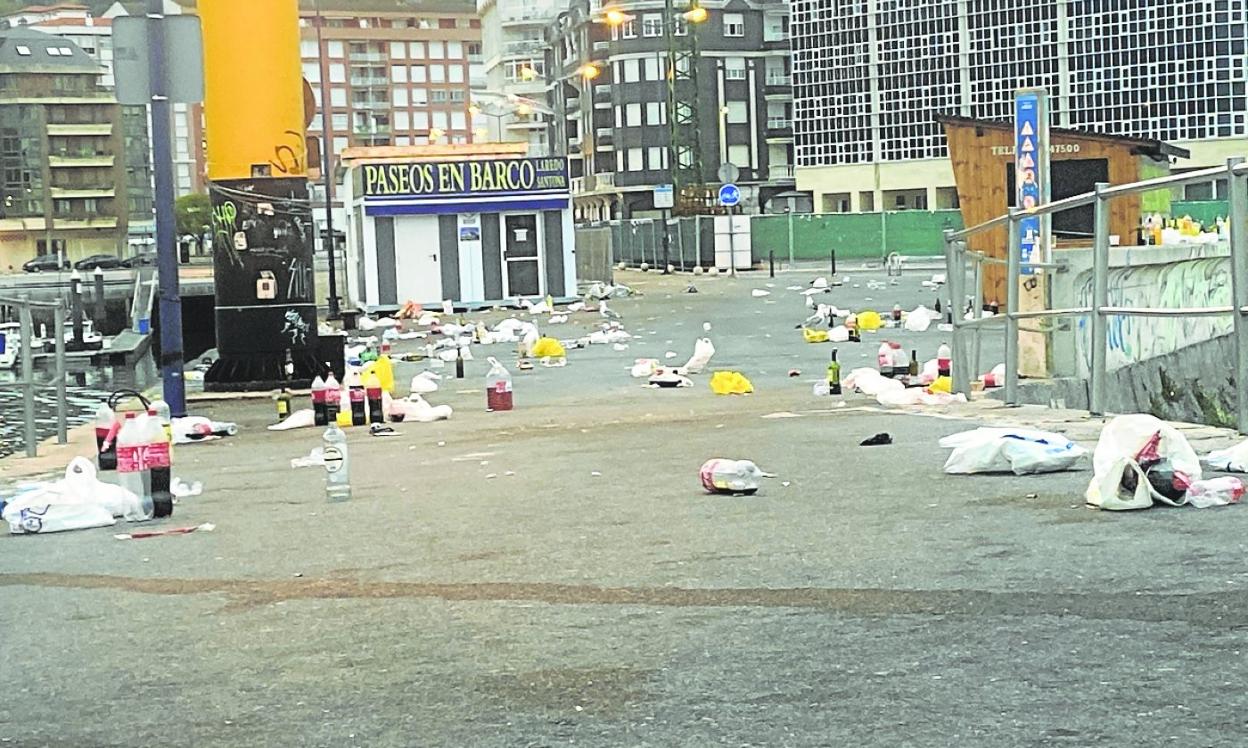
(331, 396)
(372, 394)
(158, 460)
(944, 363)
(130, 474)
(318, 401)
(355, 392)
(106, 437)
(497, 387)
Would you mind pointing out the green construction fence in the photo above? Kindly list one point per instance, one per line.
(853, 235)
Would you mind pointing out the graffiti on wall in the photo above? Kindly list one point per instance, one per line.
(288, 155)
(1189, 283)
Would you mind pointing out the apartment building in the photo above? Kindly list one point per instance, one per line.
(870, 77)
(74, 174)
(610, 86)
(511, 106)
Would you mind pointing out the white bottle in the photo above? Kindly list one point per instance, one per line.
(337, 472)
(130, 463)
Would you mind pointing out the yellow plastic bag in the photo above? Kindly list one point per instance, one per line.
(730, 383)
(814, 336)
(384, 370)
(942, 384)
(869, 321)
(548, 347)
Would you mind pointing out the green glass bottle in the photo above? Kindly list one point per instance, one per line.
(834, 375)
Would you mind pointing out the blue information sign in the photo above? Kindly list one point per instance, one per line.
(729, 195)
(1030, 158)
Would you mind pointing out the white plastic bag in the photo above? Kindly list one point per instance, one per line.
(702, 352)
(1003, 450)
(920, 319)
(1120, 443)
(77, 501)
(1231, 460)
(1215, 492)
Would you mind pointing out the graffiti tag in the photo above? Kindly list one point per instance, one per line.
(295, 327)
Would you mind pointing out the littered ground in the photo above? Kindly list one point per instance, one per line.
(556, 576)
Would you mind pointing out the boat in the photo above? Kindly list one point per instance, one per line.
(10, 338)
(91, 340)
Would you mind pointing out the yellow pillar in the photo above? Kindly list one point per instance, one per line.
(253, 91)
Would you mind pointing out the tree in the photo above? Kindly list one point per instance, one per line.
(192, 213)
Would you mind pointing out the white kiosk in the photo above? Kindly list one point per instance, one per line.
(476, 224)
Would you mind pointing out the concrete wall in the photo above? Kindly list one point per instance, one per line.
(1160, 277)
(1195, 384)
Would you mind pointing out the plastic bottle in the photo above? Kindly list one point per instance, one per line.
(158, 461)
(731, 476)
(497, 387)
(384, 367)
(944, 364)
(337, 467)
(331, 395)
(130, 463)
(372, 394)
(164, 413)
(106, 437)
(898, 359)
(896, 312)
(318, 401)
(834, 375)
(355, 389)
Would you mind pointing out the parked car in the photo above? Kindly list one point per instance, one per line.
(44, 264)
(104, 262)
(143, 259)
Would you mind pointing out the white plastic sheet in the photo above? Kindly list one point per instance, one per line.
(1006, 450)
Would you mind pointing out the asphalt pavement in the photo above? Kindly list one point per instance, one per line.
(556, 576)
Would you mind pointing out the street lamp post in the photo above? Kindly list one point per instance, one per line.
(327, 151)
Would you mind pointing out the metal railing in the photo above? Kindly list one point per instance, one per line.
(965, 363)
(26, 358)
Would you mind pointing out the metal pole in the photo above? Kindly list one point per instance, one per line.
(667, 244)
(75, 307)
(978, 276)
(1013, 260)
(101, 309)
(62, 427)
(1100, 300)
(771, 264)
(1238, 185)
(28, 375)
(956, 274)
(832, 254)
(166, 230)
(327, 155)
(790, 238)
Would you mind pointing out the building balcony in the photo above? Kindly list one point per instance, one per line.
(779, 128)
(577, 185)
(775, 38)
(73, 221)
(94, 159)
(604, 180)
(780, 172)
(524, 47)
(605, 138)
(69, 193)
(778, 83)
(86, 128)
(375, 104)
(354, 57)
(363, 81)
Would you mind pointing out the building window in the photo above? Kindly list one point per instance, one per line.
(398, 74)
(653, 69)
(337, 97)
(400, 96)
(402, 121)
(418, 73)
(307, 48)
(437, 74)
(337, 73)
(459, 121)
(628, 29)
(632, 115)
(658, 158)
(416, 50)
(739, 155)
(439, 96)
(454, 50)
(734, 68)
(734, 24)
(652, 25)
(619, 160)
(656, 113)
(455, 73)
(420, 97)
(635, 159)
(619, 116)
(679, 26)
(436, 50)
(439, 120)
(335, 50)
(340, 121)
(738, 113)
(420, 120)
(632, 70)
(457, 94)
(23, 50)
(398, 51)
(312, 72)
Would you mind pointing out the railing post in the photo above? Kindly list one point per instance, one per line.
(1238, 185)
(62, 427)
(955, 269)
(790, 239)
(26, 351)
(977, 276)
(1100, 300)
(1012, 274)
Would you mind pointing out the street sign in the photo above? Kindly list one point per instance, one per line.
(1031, 163)
(728, 172)
(664, 196)
(184, 59)
(729, 195)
